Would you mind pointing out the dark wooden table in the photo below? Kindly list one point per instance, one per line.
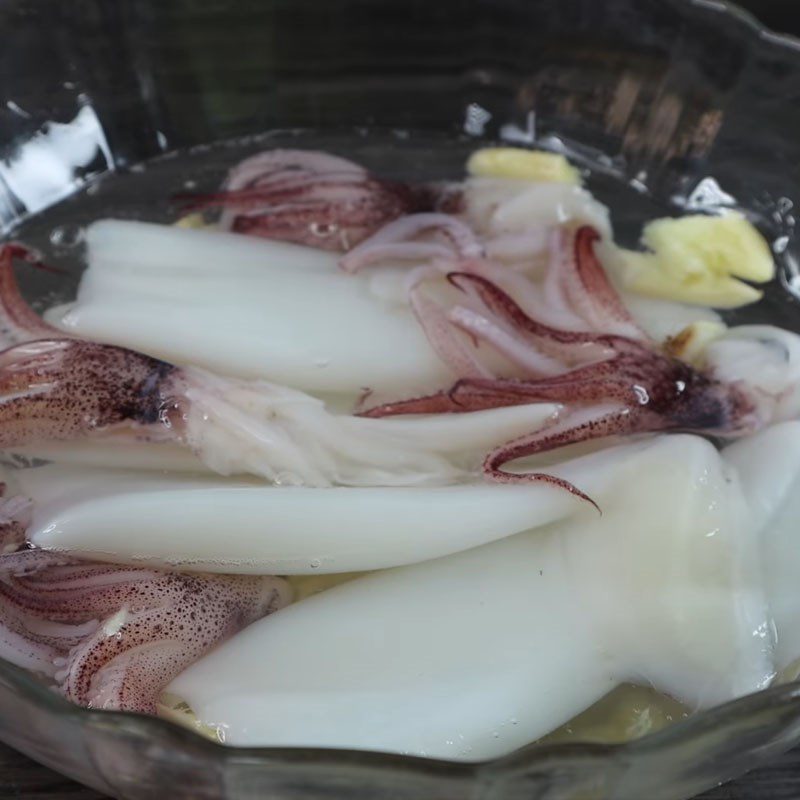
(22, 778)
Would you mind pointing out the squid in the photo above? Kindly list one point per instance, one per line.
(610, 378)
(565, 349)
(106, 636)
(142, 518)
(112, 637)
(61, 390)
(248, 308)
(251, 308)
(272, 306)
(309, 198)
(467, 338)
(330, 203)
(472, 656)
(56, 389)
(599, 375)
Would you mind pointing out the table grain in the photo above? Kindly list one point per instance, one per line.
(25, 779)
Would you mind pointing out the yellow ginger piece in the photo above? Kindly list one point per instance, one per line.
(194, 221)
(699, 260)
(521, 164)
(690, 344)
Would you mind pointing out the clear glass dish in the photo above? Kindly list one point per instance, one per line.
(673, 98)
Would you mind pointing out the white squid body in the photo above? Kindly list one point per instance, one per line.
(476, 654)
(253, 308)
(291, 438)
(245, 307)
(769, 470)
(212, 525)
(503, 206)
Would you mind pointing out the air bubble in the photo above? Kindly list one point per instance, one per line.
(287, 479)
(780, 244)
(66, 236)
(323, 229)
(315, 563)
(476, 118)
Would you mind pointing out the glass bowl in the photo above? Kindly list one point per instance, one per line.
(685, 102)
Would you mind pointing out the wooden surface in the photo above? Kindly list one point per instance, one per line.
(22, 778)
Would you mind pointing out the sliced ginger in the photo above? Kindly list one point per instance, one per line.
(690, 344)
(518, 163)
(700, 260)
(195, 221)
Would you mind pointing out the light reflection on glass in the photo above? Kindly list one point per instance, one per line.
(47, 168)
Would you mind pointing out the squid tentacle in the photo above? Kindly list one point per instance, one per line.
(612, 361)
(444, 340)
(309, 198)
(115, 636)
(583, 384)
(578, 388)
(437, 403)
(18, 321)
(568, 345)
(532, 360)
(126, 587)
(463, 243)
(60, 389)
(186, 603)
(572, 429)
(589, 290)
(553, 289)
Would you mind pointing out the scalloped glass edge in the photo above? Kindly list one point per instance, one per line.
(689, 756)
(767, 723)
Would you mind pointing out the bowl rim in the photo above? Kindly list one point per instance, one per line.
(784, 697)
(748, 20)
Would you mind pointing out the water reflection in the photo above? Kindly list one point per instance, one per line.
(52, 164)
